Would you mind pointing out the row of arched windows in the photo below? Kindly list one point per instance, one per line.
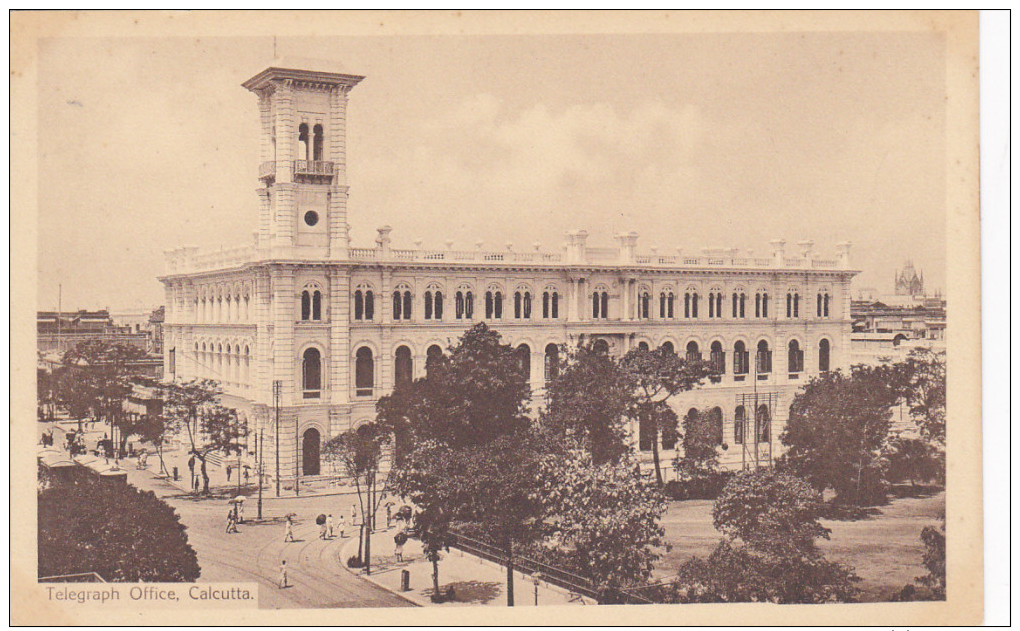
(464, 304)
(225, 308)
(228, 363)
(822, 310)
(600, 305)
(743, 431)
(311, 305)
(741, 356)
(364, 304)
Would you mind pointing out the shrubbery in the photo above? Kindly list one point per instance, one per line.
(117, 531)
(703, 487)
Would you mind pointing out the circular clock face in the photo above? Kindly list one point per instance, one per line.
(311, 217)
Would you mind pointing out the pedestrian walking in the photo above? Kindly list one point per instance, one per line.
(288, 534)
(231, 521)
(240, 512)
(329, 525)
(341, 526)
(230, 470)
(322, 530)
(283, 573)
(246, 473)
(398, 552)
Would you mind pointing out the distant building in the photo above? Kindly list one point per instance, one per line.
(64, 330)
(908, 282)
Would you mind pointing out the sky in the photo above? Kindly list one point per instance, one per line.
(691, 140)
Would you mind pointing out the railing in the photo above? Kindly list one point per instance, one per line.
(82, 577)
(367, 254)
(550, 574)
(314, 167)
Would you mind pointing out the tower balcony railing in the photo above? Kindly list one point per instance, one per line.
(314, 168)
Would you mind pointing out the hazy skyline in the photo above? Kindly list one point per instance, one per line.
(691, 140)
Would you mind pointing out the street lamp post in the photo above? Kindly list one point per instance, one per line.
(536, 577)
(277, 388)
(260, 447)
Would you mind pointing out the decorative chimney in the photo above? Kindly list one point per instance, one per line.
(576, 246)
(778, 251)
(628, 246)
(843, 254)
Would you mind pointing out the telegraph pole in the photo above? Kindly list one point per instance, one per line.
(277, 389)
(260, 447)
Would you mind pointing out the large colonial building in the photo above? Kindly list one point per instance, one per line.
(331, 328)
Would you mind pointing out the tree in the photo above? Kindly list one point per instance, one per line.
(700, 442)
(587, 404)
(476, 454)
(472, 395)
(934, 540)
(836, 432)
(770, 521)
(117, 531)
(925, 390)
(358, 452)
(194, 408)
(606, 514)
(99, 377)
(659, 375)
(914, 460)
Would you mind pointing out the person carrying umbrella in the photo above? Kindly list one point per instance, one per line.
(329, 525)
(321, 521)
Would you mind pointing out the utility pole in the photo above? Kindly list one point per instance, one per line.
(277, 389)
(260, 447)
(297, 464)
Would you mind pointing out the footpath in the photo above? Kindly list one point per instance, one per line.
(473, 581)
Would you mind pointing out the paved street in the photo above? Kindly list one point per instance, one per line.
(254, 554)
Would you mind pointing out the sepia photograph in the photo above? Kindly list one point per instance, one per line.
(345, 310)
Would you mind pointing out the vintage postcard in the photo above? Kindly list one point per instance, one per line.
(493, 318)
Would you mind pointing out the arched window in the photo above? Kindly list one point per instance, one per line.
(458, 305)
(469, 305)
(369, 305)
(600, 346)
(605, 305)
(643, 305)
(795, 357)
(796, 305)
(670, 303)
(359, 305)
(823, 356)
(247, 367)
(518, 299)
(303, 148)
(403, 366)
(741, 363)
(397, 304)
(789, 305)
(717, 424)
(433, 356)
(694, 305)
(364, 372)
(317, 142)
(643, 345)
(739, 417)
(662, 305)
(825, 306)
(497, 305)
(545, 304)
(764, 305)
(693, 353)
(595, 305)
(687, 304)
(552, 362)
(735, 303)
(310, 451)
(718, 304)
(437, 306)
(711, 304)
(762, 422)
(490, 305)
(311, 373)
(527, 305)
(407, 305)
(428, 305)
(316, 305)
(818, 307)
(764, 358)
(524, 360)
(668, 347)
(306, 305)
(555, 311)
(718, 357)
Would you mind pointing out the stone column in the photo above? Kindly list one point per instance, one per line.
(339, 334)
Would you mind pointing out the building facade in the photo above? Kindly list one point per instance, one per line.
(301, 324)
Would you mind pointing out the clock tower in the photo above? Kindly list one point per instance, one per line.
(303, 160)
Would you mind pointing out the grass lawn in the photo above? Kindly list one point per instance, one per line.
(885, 549)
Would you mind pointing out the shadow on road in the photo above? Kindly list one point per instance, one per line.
(479, 592)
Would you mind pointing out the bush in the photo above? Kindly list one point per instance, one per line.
(355, 562)
(706, 486)
(913, 460)
(115, 530)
